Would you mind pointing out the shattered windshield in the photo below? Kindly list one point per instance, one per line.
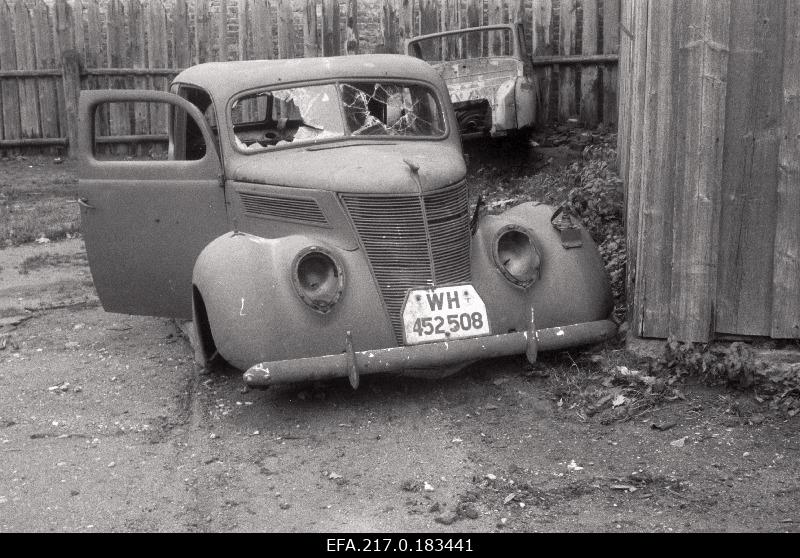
(308, 114)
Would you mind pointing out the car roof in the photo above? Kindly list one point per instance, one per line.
(495, 27)
(225, 79)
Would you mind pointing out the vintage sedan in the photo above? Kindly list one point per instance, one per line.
(312, 219)
(489, 75)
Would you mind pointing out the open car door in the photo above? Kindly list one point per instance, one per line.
(145, 221)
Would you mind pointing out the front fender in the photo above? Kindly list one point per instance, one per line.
(255, 314)
(573, 285)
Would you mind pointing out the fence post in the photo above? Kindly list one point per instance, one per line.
(567, 39)
(611, 23)
(589, 73)
(389, 27)
(406, 23)
(310, 41)
(542, 46)
(351, 22)
(71, 66)
(285, 29)
(330, 28)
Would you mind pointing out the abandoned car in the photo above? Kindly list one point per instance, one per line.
(312, 219)
(489, 76)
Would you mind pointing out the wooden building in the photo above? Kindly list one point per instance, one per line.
(709, 147)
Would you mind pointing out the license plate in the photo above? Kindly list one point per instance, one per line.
(444, 313)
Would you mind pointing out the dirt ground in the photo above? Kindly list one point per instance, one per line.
(106, 425)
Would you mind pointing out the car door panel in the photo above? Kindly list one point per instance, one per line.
(145, 222)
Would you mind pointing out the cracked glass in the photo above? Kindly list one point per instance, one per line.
(309, 114)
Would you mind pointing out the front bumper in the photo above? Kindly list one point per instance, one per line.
(353, 364)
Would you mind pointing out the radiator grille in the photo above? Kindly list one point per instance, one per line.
(392, 231)
(303, 210)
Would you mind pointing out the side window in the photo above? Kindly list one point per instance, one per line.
(145, 131)
(191, 134)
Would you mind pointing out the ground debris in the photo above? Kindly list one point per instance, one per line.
(411, 485)
(663, 426)
(679, 443)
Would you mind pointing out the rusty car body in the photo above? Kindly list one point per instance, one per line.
(312, 219)
(489, 76)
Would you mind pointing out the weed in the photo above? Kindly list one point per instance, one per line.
(52, 218)
(734, 366)
(49, 259)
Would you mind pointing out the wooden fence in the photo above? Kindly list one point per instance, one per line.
(144, 43)
(709, 147)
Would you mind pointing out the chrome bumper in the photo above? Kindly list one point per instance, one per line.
(354, 364)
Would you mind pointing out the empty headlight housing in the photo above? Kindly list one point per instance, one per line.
(516, 256)
(318, 278)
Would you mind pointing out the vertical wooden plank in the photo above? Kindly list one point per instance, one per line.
(63, 39)
(568, 17)
(43, 50)
(352, 40)
(93, 36)
(9, 90)
(699, 161)
(263, 42)
(611, 16)
(590, 84)
(310, 37)
(786, 281)
(71, 64)
(95, 59)
(389, 26)
(202, 31)
(138, 58)
(494, 14)
(119, 113)
(429, 23)
(26, 60)
(286, 29)
(516, 11)
(634, 97)
(626, 22)
(750, 168)
(221, 28)
(243, 45)
(63, 35)
(157, 58)
(542, 46)
(183, 54)
(330, 28)
(448, 18)
(452, 25)
(654, 242)
(473, 16)
(406, 28)
(80, 36)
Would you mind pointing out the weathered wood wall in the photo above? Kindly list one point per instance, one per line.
(709, 145)
(143, 43)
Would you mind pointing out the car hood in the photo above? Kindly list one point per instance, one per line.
(355, 166)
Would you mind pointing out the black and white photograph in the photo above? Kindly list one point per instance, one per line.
(400, 275)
